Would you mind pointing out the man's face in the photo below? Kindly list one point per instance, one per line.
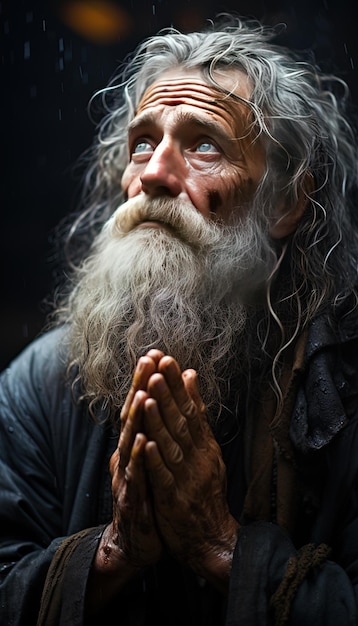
(171, 269)
(189, 142)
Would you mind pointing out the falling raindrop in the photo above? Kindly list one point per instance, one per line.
(26, 50)
(44, 25)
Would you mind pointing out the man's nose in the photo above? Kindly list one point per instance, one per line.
(163, 173)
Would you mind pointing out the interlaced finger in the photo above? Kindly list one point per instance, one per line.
(169, 444)
(131, 427)
(170, 414)
(185, 392)
(146, 366)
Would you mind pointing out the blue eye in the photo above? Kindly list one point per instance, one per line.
(205, 147)
(142, 146)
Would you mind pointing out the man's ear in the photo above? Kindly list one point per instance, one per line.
(286, 218)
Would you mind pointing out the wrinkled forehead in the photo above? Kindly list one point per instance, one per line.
(181, 86)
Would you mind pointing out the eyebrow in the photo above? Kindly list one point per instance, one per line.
(142, 120)
(190, 119)
(184, 117)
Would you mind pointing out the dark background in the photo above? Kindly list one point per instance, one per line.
(54, 56)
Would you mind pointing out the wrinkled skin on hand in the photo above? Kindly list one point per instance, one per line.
(134, 524)
(168, 476)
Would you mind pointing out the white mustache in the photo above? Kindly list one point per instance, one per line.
(181, 217)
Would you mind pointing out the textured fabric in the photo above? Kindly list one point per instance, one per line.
(64, 591)
(272, 453)
(262, 555)
(54, 479)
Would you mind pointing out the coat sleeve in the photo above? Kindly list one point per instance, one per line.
(309, 591)
(274, 584)
(33, 462)
(26, 545)
(63, 595)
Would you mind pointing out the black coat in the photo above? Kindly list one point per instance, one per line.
(55, 500)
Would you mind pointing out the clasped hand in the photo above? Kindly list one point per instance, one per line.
(168, 476)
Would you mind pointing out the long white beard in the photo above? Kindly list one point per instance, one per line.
(183, 288)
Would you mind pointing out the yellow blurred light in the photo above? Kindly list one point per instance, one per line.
(100, 21)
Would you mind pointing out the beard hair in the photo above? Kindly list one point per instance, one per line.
(184, 288)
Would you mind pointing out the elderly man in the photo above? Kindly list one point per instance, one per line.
(180, 447)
